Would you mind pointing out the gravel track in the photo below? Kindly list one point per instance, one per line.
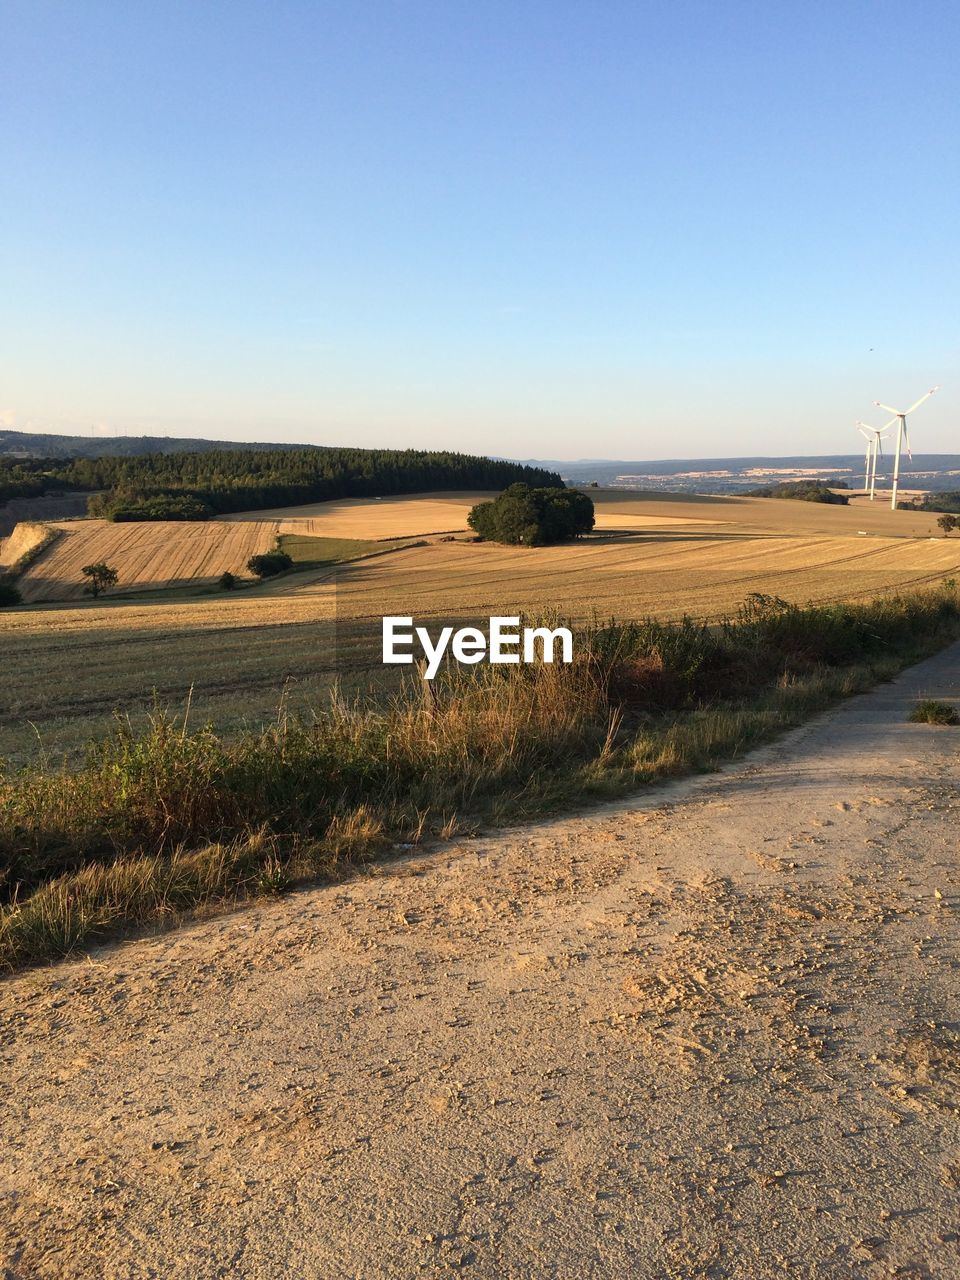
(708, 1032)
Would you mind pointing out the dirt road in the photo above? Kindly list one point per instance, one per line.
(710, 1032)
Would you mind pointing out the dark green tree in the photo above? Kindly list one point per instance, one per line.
(9, 594)
(269, 564)
(100, 578)
(522, 516)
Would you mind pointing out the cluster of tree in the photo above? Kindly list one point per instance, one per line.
(224, 480)
(805, 491)
(948, 502)
(28, 478)
(531, 517)
(268, 564)
(949, 523)
(163, 506)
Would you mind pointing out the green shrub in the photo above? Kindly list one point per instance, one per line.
(9, 594)
(932, 711)
(158, 507)
(269, 563)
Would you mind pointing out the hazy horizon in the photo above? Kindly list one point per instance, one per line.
(682, 231)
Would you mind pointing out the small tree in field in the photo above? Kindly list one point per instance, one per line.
(268, 564)
(9, 593)
(949, 523)
(100, 578)
(529, 517)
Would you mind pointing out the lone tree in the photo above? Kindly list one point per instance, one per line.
(9, 594)
(949, 523)
(522, 516)
(101, 578)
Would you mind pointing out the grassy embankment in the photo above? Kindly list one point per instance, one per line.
(179, 817)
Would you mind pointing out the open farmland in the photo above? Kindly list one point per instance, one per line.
(167, 554)
(633, 576)
(420, 515)
(409, 516)
(69, 670)
(68, 667)
(145, 555)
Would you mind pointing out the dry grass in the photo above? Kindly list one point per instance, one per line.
(933, 711)
(178, 816)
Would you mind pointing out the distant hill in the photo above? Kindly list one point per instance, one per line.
(31, 444)
(940, 471)
(934, 471)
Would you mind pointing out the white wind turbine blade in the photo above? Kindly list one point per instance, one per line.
(921, 400)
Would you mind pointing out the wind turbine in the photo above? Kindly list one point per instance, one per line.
(902, 437)
(873, 436)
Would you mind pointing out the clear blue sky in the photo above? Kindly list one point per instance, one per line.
(552, 228)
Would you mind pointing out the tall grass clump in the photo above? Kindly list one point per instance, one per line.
(158, 822)
(933, 711)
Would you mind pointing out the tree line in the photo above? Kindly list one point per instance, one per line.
(804, 491)
(195, 486)
(947, 502)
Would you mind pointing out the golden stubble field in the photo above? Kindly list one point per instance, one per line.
(68, 668)
(419, 515)
(147, 555)
(704, 575)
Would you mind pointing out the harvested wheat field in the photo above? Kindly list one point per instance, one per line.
(234, 658)
(417, 515)
(145, 555)
(379, 519)
(629, 577)
(23, 541)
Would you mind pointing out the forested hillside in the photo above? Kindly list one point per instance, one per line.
(196, 485)
(36, 444)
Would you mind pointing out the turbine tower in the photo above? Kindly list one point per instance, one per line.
(902, 438)
(873, 436)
